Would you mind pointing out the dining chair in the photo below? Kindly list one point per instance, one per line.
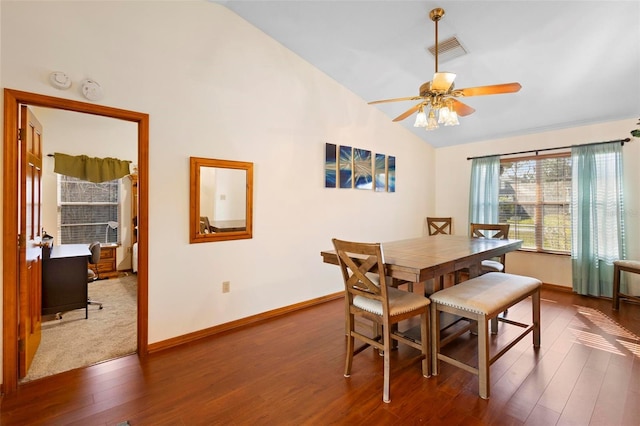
(368, 295)
(491, 230)
(205, 226)
(435, 226)
(438, 225)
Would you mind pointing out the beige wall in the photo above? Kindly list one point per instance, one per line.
(453, 172)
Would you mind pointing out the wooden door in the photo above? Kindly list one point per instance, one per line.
(30, 237)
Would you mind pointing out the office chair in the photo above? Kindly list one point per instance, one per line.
(92, 276)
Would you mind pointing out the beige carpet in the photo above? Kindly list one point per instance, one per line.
(74, 341)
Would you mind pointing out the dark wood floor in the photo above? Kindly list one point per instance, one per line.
(288, 371)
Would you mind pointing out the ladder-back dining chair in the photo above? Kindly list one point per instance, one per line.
(435, 226)
(497, 231)
(438, 225)
(491, 230)
(367, 295)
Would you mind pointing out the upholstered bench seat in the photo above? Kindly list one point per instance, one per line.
(481, 299)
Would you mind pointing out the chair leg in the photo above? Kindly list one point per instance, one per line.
(387, 362)
(350, 343)
(426, 343)
(435, 338)
(94, 302)
(494, 325)
(616, 287)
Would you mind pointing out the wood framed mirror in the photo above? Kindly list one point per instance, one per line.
(221, 198)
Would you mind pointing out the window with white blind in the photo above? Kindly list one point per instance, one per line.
(88, 211)
(535, 198)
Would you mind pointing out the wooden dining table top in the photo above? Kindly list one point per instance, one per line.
(423, 258)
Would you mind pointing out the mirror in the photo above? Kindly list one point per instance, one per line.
(221, 200)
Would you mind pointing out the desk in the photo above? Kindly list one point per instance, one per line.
(64, 279)
(420, 259)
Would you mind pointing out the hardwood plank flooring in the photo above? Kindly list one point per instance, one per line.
(288, 371)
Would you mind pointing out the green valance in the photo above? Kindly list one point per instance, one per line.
(91, 169)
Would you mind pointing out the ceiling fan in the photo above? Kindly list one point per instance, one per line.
(439, 95)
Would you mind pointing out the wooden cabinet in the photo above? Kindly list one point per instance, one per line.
(107, 266)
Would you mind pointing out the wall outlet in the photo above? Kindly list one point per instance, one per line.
(226, 286)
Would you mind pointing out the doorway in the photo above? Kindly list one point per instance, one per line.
(13, 99)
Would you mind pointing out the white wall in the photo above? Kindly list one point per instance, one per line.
(453, 172)
(216, 87)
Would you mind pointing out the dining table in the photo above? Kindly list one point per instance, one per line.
(424, 258)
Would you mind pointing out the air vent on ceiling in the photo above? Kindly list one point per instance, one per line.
(448, 49)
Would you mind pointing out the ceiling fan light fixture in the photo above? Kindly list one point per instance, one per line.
(443, 115)
(452, 119)
(439, 95)
(432, 122)
(421, 119)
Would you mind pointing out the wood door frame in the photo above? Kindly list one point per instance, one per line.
(12, 101)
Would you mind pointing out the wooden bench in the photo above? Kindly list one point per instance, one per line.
(619, 266)
(481, 299)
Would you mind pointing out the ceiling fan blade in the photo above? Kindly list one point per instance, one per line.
(442, 81)
(408, 112)
(408, 98)
(495, 89)
(462, 109)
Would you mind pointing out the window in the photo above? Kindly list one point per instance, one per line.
(535, 198)
(88, 211)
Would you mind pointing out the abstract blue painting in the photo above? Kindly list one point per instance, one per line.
(345, 165)
(362, 176)
(348, 167)
(391, 174)
(380, 173)
(330, 166)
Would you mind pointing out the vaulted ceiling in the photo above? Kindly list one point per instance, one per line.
(578, 61)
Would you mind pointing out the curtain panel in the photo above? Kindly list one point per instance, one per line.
(91, 169)
(597, 217)
(485, 187)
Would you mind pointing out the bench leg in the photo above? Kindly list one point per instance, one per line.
(616, 287)
(483, 357)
